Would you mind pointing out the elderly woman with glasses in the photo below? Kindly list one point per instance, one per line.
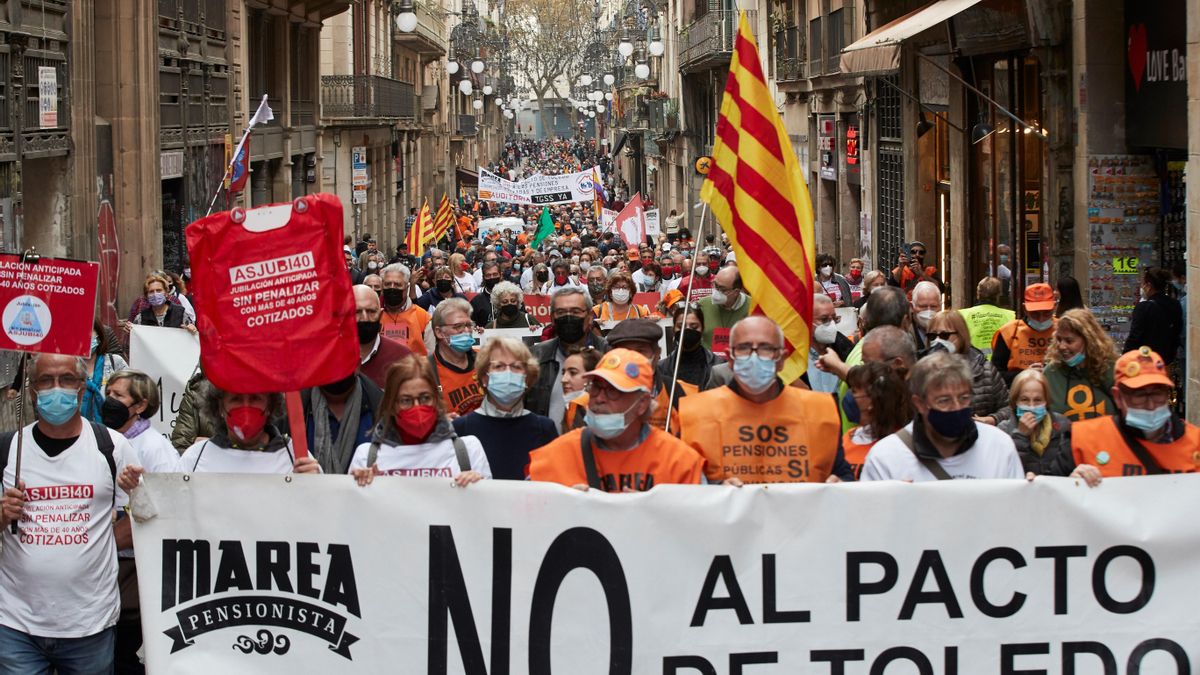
(505, 369)
(414, 436)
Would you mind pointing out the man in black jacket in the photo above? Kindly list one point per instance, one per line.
(571, 311)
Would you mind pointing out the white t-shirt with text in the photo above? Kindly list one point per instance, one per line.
(424, 459)
(208, 457)
(992, 456)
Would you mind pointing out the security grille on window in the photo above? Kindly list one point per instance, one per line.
(890, 220)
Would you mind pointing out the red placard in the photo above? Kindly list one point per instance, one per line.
(273, 298)
(539, 305)
(720, 342)
(47, 306)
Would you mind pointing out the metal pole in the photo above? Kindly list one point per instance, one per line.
(686, 307)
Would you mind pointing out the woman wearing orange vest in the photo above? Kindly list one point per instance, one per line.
(1022, 343)
(881, 408)
(1145, 437)
(619, 303)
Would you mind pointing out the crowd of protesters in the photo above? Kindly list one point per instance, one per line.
(645, 365)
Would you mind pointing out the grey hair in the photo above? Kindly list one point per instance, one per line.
(926, 286)
(80, 364)
(449, 305)
(939, 369)
(397, 267)
(563, 291)
(602, 268)
(504, 289)
(894, 343)
(821, 298)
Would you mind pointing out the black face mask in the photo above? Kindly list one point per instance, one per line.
(543, 276)
(367, 331)
(113, 413)
(341, 386)
(393, 297)
(569, 328)
(689, 339)
(489, 284)
(444, 285)
(509, 311)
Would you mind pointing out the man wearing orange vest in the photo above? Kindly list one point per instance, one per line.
(642, 336)
(1145, 438)
(1022, 343)
(755, 429)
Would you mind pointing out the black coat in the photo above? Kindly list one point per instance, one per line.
(1156, 323)
(173, 319)
(537, 400)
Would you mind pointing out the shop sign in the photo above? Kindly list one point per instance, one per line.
(1156, 74)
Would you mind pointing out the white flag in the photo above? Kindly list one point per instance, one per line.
(263, 114)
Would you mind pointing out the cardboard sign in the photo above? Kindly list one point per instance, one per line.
(169, 356)
(631, 222)
(47, 306)
(275, 309)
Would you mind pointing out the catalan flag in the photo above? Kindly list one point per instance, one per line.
(758, 195)
(417, 234)
(443, 220)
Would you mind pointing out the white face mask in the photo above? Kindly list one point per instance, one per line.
(826, 271)
(620, 295)
(924, 317)
(826, 333)
(719, 298)
(701, 270)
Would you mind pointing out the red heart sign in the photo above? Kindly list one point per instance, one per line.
(1136, 53)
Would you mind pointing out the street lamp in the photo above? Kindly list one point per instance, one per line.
(406, 19)
(477, 104)
(452, 67)
(625, 48)
(585, 79)
(477, 66)
(642, 71)
(609, 79)
(487, 90)
(466, 87)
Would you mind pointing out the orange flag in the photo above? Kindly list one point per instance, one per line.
(757, 193)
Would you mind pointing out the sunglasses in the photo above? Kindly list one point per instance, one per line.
(944, 335)
(917, 252)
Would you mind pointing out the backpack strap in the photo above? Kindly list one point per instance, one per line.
(460, 453)
(931, 464)
(1153, 468)
(104, 443)
(589, 459)
(437, 378)
(372, 454)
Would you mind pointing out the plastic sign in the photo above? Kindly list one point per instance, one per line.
(47, 306)
(1125, 265)
(703, 165)
(273, 298)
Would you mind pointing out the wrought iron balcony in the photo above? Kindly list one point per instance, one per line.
(664, 117)
(429, 38)
(789, 54)
(708, 41)
(366, 97)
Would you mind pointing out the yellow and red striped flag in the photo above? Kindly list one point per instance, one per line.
(758, 195)
(417, 235)
(443, 220)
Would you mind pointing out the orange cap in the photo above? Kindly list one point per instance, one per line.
(1141, 367)
(625, 370)
(673, 296)
(1039, 297)
(632, 254)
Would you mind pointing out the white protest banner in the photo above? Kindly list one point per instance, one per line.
(539, 189)
(958, 577)
(530, 336)
(169, 356)
(608, 220)
(653, 229)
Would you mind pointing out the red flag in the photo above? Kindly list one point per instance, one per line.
(631, 222)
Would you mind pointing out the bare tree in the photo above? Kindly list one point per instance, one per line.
(546, 39)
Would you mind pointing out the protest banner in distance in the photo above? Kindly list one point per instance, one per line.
(653, 229)
(954, 578)
(169, 356)
(539, 305)
(276, 312)
(47, 306)
(539, 189)
(847, 323)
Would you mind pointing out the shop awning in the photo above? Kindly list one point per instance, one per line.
(466, 177)
(879, 51)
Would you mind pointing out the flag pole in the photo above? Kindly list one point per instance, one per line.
(262, 114)
(686, 306)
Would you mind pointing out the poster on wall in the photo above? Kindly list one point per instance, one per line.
(1155, 74)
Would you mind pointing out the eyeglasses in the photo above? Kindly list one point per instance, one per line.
(459, 327)
(1148, 398)
(576, 312)
(943, 335)
(67, 381)
(827, 320)
(951, 402)
(764, 351)
(405, 402)
(499, 367)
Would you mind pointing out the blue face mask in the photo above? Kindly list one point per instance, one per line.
(506, 387)
(462, 343)
(95, 343)
(607, 425)
(754, 373)
(57, 405)
(1040, 326)
(1147, 420)
(1075, 360)
(1039, 412)
(850, 408)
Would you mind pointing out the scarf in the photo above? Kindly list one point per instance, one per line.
(93, 397)
(489, 409)
(1041, 435)
(139, 425)
(334, 454)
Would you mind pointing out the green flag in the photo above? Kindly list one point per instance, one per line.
(545, 227)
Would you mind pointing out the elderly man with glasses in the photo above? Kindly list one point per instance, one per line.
(757, 430)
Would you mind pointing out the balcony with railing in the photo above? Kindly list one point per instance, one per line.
(708, 41)
(664, 117)
(429, 38)
(366, 97)
(789, 54)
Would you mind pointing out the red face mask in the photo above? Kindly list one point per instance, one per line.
(560, 279)
(245, 423)
(416, 423)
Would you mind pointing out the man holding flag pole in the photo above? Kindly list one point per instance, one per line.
(757, 194)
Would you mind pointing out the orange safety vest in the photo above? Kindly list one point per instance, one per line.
(573, 418)
(605, 311)
(1099, 442)
(1026, 346)
(855, 453)
(791, 439)
(407, 328)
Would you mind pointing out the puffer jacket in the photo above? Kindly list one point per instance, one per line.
(989, 393)
(1056, 459)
